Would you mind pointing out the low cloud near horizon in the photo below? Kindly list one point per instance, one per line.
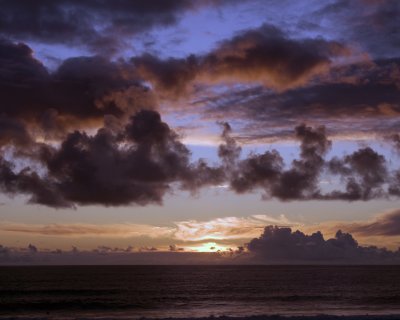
(276, 245)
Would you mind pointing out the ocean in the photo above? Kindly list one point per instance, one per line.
(133, 292)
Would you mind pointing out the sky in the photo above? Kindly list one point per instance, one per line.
(216, 131)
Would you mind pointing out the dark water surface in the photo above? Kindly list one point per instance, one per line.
(197, 291)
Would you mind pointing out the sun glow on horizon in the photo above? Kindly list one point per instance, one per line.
(208, 247)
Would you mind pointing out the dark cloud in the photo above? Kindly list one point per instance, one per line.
(394, 186)
(395, 140)
(361, 98)
(18, 66)
(365, 173)
(267, 170)
(13, 132)
(257, 171)
(281, 245)
(137, 164)
(78, 94)
(22, 79)
(27, 181)
(265, 55)
(135, 157)
(301, 181)
(142, 161)
(98, 25)
(172, 76)
(371, 24)
(362, 175)
(95, 169)
(229, 151)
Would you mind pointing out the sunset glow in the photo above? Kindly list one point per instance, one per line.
(207, 247)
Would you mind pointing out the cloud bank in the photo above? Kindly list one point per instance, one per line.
(276, 245)
(282, 245)
(142, 161)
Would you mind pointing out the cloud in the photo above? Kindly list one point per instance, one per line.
(365, 173)
(267, 170)
(281, 245)
(276, 244)
(84, 91)
(88, 230)
(136, 158)
(142, 161)
(228, 151)
(135, 163)
(267, 55)
(300, 182)
(385, 224)
(171, 76)
(371, 24)
(395, 140)
(264, 55)
(97, 169)
(99, 26)
(227, 228)
(13, 132)
(351, 100)
(78, 95)
(257, 171)
(27, 181)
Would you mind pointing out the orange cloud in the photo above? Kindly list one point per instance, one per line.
(227, 228)
(88, 230)
(263, 55)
